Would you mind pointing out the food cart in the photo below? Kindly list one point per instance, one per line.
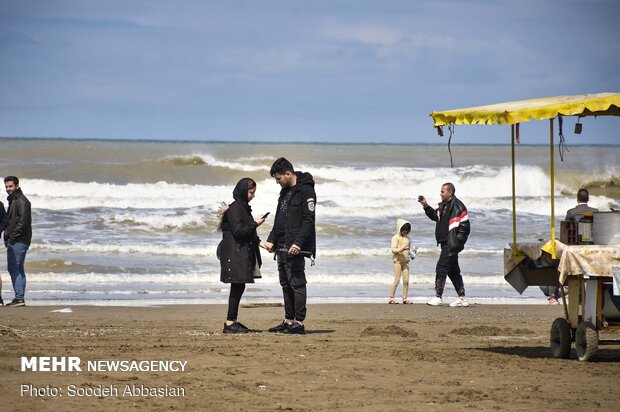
(587, 271)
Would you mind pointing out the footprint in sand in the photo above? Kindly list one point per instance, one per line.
(389, 330)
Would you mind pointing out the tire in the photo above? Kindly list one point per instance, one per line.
(560, 338)
(586, 341)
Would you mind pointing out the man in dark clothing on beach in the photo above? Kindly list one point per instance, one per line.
(2, 214)
(17, 227)
(293, 238)
(451, 232)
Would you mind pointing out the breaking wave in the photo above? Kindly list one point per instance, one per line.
(246, 164)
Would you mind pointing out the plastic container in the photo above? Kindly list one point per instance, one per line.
(584, 229)
(606, 228)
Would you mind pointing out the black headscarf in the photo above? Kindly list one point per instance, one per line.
(240, 193)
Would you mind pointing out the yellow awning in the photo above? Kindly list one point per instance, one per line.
(600, 104)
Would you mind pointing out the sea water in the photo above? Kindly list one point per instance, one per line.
(134, 222)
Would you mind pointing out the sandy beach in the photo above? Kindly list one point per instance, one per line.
(366, 357)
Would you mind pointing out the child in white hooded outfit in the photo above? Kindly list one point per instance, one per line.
(401, 246)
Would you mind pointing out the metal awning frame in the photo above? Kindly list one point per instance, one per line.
(513, 113)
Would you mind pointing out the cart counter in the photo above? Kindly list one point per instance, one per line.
(588, 260)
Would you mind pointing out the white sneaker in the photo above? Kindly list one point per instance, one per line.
(434, 301)
(460, 301)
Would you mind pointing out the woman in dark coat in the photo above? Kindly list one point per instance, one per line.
(238, 252)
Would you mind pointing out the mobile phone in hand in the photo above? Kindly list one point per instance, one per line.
(265, 215)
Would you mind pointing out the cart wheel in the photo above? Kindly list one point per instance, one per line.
(560, 338)
(586, 341)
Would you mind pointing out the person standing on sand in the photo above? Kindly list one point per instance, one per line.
(17, 237)
(238, 251)
(451, 232)
(2, 226)
(401, 248)
(293, 236)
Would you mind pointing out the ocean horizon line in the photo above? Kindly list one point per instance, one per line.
(273, 142)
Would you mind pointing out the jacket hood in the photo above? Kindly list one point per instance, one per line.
(240, 193)
(304, 178)
(399, 225)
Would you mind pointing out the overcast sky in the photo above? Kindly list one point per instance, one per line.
(294, 70)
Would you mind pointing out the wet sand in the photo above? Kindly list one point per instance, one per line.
(362, 357)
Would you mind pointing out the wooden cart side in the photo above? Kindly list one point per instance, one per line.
(574, 300)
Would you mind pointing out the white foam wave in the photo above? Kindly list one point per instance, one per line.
(209, 250)
(155, 220)
(386, 252)
(243, 164)
(56, 195)
(264, 158)
(62, 195)
(154, 283)
(341, 192)
(393, 190)
(150, 249)
(147, 281)
(387, 278)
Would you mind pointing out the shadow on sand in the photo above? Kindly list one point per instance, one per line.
(604, 354)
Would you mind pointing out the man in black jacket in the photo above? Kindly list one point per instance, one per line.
(17, 236)
(2, 213)
(451, 232)
(293, 236)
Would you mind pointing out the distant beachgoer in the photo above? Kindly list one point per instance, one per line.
(238, 251)
(293, 238)
(2, 226)
(451, 232)
(553, 293)
(17, 236)
(401, 253)
(582, 207)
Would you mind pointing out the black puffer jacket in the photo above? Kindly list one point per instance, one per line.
(238, 251)
(300, 212)
(18, 220)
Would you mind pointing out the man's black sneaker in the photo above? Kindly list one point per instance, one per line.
(280, 328)
(242, 326)
(235, 328)
(296, 328)
(16, 302)
(1, 302)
